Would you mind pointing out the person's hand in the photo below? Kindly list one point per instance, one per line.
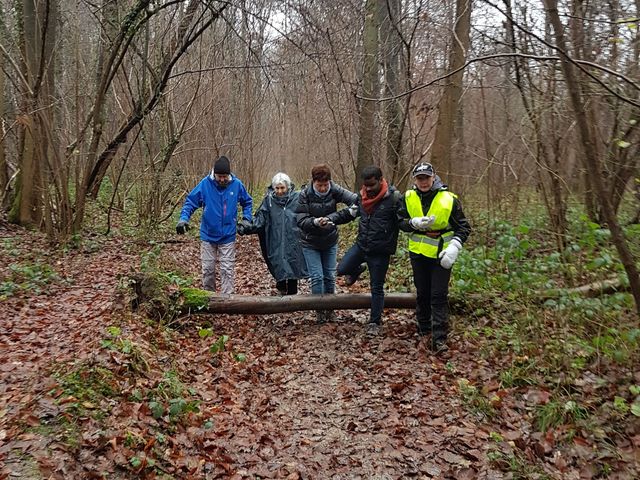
(422, 223)
(353, 210)
(449, 255)
(182, 227)
(243, 226)
(322, 222)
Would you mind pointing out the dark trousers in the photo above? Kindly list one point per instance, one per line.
(287, 287)
(432, 291)
(378, 265)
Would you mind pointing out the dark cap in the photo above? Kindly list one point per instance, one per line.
(423, 169)
(222, 166)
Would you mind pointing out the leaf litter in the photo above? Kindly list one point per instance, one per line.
(285, 398)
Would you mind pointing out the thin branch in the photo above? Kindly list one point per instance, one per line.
(17, 69)
(521, 55)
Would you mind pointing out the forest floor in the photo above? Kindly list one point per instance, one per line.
(91, 389)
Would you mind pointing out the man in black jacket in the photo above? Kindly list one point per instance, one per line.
(437, 229)
(377, 238)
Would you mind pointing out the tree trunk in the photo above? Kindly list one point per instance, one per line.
(4, 167)
(591, 160)
(370, 85)
(394, 114)
(28, 203)
(448, 108)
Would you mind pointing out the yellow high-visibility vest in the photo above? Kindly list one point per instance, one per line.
(430, 243)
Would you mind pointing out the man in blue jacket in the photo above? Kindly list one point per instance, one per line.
(219, 194)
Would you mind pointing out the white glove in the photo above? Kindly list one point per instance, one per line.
(353, 210)
(449, 255)
(422, 223)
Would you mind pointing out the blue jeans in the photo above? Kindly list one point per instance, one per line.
(321, 265)
(378, 265)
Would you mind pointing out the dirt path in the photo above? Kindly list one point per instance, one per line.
(286, 399)
(326, 401)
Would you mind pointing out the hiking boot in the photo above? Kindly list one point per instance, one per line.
(424, 329)
(373, 329)
(439, 346)
(351, 279)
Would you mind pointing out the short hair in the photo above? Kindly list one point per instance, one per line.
(320, 173)
(281, 177)
(371, 171)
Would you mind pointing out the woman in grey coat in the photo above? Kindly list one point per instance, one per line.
(275, 224)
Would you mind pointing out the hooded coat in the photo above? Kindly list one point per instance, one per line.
(220, 208)
(275, 223)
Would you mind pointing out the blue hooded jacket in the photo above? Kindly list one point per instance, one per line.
(220, 204)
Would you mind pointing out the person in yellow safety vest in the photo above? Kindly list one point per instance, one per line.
(437, 228)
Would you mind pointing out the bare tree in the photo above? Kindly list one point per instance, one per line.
(448, 108)
(591, 159)
(370, 86)
(38, 158)
(4, 168)
(394, 82)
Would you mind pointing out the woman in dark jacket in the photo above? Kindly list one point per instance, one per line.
(318, 235)
(377, 237)
(275, 224)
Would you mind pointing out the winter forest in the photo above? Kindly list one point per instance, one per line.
(112, 111)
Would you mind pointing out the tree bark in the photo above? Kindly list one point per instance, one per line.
(370, 85)
(290, 303)
(4, 168)
(448, 107)
(394, 114)
(591, 290)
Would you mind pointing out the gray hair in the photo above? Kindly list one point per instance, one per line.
(281, 177)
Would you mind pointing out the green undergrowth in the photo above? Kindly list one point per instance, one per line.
(26, 269)
(511, 296)
(126, 376)
(519, 309)
(156, 288)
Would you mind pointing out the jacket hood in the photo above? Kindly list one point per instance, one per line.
(270, 190)
(271, 195)
(438, 184)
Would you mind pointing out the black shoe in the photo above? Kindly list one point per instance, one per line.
(439, 346)
(351, 279)
(373, 329)
(321, 317)
(424, 330)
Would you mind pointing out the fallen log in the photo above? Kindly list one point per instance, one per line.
(201, 301)
(590, 290)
